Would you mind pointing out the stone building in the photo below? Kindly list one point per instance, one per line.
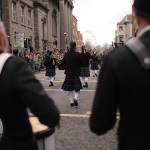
(79, 40)
(124, 29)
(77, 36)
(42, 22)
(75, 28)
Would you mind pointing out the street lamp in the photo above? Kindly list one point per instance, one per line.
(66, 40)
(65, 37)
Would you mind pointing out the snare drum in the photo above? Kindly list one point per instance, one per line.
(44, 135)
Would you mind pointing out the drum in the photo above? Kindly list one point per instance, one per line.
(44, 135)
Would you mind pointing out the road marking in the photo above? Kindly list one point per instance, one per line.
(80, 116)
(74, 115)
(46, 80)
(59, 90)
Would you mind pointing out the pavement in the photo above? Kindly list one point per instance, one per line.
(74, 133)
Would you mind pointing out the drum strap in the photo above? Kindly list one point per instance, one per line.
(3, 59)
(141, 52)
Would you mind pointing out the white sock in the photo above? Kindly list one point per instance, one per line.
(51, 79)
(71, 96)
(76, 94)
(86, 79)
(83, 80)
(95, 71)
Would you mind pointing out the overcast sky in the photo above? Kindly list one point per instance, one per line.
(97, 19)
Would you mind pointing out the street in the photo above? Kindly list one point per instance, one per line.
(74, 133)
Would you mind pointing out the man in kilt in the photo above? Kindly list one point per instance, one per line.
(71, 63)
(95, 63)
(50, 63)
(85, 72)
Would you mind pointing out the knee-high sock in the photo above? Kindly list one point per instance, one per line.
(76, 94)
(95, 71)
(86, 79)
(83, 80)
(71, 96)
(51, 79)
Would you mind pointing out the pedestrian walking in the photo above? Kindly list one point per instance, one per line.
(50, 63)
(71, 63)
(95, 63)
(85, 71)
(124, 84)
(21, 90)
(36, 62)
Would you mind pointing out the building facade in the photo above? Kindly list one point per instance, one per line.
(79, 40)
(75, 28)
(41, 22)
(77, 36)
(124, 29)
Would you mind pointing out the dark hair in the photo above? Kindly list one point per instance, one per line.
(15, 51)
(141, 8)
(72, 46)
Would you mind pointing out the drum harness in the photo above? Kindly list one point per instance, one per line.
(140, 51)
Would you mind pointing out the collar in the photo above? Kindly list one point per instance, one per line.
(144, 30)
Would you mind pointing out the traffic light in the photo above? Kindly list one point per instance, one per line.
(25, 43)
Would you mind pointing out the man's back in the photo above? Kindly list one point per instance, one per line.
(19, 91)
(73, 62)
(124, 84)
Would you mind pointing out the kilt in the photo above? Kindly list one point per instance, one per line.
(72, 83)
(50, 72)
(85, 72)
(94, 66)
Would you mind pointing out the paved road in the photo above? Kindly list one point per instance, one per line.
(74, 133)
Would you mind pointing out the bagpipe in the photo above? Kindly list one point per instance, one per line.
(58, 55)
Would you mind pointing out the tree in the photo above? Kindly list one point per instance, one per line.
(88, 45)
(105, 46)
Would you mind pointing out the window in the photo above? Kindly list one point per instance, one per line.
(43, 30)
(14, 11)
(54, 23)
(120, 28)
(15, 39)
(43, 26)
(120, 38)
(29, 18)
(22, 15)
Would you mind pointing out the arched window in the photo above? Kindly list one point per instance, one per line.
(43, 27)
(54, 23)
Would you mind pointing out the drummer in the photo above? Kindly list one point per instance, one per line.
(21, 90)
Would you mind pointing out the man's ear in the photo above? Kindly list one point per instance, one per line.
(136, 18)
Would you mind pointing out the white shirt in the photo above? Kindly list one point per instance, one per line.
(144, 30)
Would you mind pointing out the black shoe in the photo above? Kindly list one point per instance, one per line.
(71, 104)
(86, 84)
(93, 76)
(51, 84)
(75, 103)
(96, 74)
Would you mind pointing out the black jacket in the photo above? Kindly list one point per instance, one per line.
(20, 90)
(50, 62)
(71, 63)
(123, 83)
(85, 57)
